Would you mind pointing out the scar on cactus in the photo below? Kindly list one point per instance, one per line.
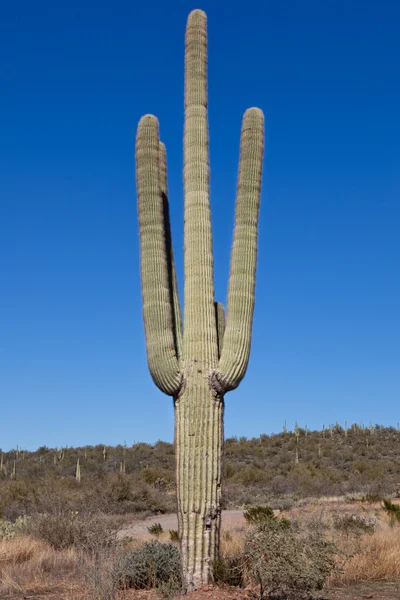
(199, 365)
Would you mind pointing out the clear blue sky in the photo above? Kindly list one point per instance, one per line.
(75, 79)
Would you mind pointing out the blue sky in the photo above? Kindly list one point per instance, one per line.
(75, 79)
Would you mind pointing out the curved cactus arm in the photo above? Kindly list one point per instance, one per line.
(173, 281)
(220, 319)
(200, 337)
(240, 306)
(157, 309)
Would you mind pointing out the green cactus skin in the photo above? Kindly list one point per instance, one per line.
(210, 358)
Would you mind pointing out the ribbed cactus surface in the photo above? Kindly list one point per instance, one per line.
(198, 366)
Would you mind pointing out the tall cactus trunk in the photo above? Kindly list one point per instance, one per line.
(198, 366)
(199, 440)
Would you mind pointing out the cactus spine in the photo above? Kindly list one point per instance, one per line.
(198, 367)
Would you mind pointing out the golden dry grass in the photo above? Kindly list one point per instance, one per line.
(19, 550)
(29, 566)
(232, 540)
(378, 559)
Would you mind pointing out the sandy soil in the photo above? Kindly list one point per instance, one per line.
(377, 590)
(138, 528)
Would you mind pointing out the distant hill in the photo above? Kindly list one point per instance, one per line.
(275, 469)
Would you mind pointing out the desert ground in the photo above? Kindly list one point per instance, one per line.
(31, 568)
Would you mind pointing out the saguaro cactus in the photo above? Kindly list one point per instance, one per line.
(210, 358)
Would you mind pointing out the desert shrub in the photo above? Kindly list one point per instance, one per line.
(264, 514)
(288, 562)
(155, 529)
(117, 487)
(393, 510)
(66, 529)
(355, 524)
(155, 477)
(150, 566)
(258, 514)
(229, 570)
(9, 529)
(169, 589)
(146, 498)
(173, 535)
(371, 497)
(250, 475)
(96, 569)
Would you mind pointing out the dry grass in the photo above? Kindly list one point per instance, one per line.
(378, 559)
(19, 550)
(29, 566)
(232, 540)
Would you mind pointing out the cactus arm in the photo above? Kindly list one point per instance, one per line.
(173, 281)
(156, 294)
(240, 306)
(220, 318)
(200, 339)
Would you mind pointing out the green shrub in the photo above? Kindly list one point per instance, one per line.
(173, 535)
(393, 510)
(150, 566)
(155, 529)
(288, 562)
(371, 498)
(259, 514)
(9, 529)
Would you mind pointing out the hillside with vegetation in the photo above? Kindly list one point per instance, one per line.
(279, 470)
(66, 514)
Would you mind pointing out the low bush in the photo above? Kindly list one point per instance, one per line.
(150, 566)
(355, 524)
(173, 535)
(66, 529)
(288, 562)
(9, 529)
(259, 514)
(155, 529)
(393, 510)
(229, 570)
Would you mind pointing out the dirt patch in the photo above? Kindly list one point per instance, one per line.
(377, 590)
(210, 593)
(138, 528)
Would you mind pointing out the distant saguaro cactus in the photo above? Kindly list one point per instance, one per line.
(78, 471)
(210, 358)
